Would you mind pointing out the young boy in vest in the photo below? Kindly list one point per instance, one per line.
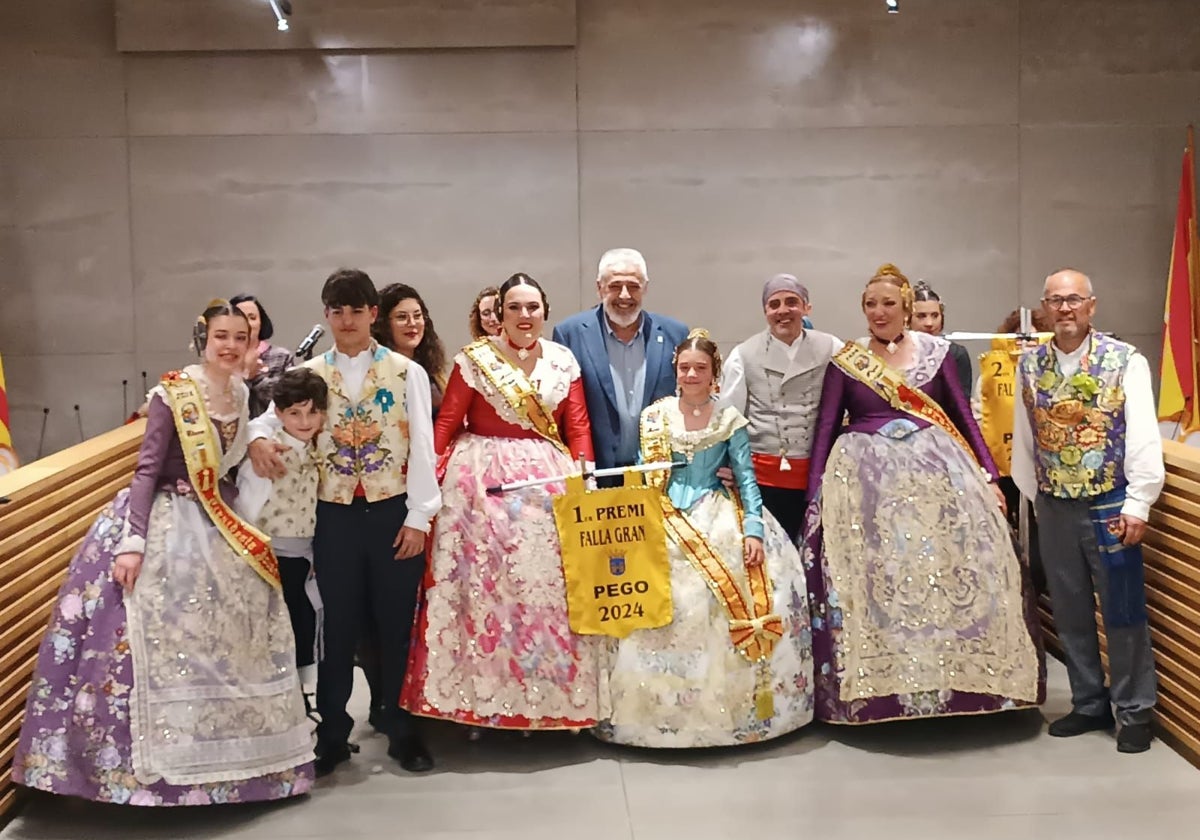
(376, 495)
(286, 509)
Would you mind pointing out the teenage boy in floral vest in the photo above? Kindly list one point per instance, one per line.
(1086, 448)
(376, 497)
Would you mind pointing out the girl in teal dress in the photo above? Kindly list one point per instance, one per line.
(734, 665)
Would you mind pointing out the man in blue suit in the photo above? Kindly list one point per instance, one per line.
(624, 353)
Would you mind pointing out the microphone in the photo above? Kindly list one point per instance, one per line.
(310, 340)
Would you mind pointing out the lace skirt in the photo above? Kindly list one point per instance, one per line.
(76, 738)
(492, 645)
(684, 685)
(921, 607)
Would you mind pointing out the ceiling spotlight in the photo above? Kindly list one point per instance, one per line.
(893, 6)
(282, 9)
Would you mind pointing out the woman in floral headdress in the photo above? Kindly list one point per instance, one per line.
(920, 605)
(168, 673)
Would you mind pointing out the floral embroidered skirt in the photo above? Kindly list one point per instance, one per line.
(76, 737)
(920, 605)
(492, 646)
(684, 685)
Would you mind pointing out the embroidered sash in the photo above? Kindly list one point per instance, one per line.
(1124, 604)
(203, 457)
(516, 389)
(889, 384)
(753, 628)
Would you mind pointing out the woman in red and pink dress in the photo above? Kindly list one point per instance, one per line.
(492, 647)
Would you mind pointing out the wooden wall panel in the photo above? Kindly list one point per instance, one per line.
(50, 506)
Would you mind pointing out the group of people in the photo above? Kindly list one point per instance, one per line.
(836, 536)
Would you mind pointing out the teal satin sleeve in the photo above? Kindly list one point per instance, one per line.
(743, 475)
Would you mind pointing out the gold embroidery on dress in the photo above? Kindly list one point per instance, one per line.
(931, 600)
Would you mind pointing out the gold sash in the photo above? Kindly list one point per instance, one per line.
(753, 628)
(860, 363)
(203, 456)
(516, 389)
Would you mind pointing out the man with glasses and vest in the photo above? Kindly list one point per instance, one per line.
(774, 379)
(1086, 448)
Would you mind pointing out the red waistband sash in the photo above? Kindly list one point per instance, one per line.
(768, 470)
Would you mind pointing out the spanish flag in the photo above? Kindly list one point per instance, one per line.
(1178, 392)
(8, 457)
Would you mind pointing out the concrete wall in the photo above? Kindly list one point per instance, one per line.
(978, 145)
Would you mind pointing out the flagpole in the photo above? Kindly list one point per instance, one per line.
(497, 489)
(1193, 264)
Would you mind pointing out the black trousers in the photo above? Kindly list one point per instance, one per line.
(363, 585)
(787, 506)
(293, 571)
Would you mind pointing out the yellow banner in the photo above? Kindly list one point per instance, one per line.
(997, 401)
(614, 556)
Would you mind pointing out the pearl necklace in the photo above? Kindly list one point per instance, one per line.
(210, 401)
(696, 409)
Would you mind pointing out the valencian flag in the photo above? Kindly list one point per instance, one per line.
(1178, 392)
(8, 458)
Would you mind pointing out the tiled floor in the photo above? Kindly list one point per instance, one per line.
(988, 777)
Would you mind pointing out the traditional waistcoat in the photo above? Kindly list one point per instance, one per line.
(364, 442)
(291, 509)
(1078, 421)
(783, 393)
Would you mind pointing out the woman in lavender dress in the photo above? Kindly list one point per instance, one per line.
(920, 605)
(167, 675)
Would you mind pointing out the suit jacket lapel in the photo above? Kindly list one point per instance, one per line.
(656, 356)
(597, 355)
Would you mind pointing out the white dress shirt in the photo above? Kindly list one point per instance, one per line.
(1144, 470)
(424, 495)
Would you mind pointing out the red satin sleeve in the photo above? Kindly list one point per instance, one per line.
(455, 402)
(572, 415)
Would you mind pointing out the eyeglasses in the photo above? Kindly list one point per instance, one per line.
(405, 318)
(1070, 301)
(617, 287)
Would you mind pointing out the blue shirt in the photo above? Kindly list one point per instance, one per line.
(627, 364)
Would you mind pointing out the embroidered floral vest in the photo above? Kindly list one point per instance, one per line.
(1078, 422)
(291, 510)
(364, 441)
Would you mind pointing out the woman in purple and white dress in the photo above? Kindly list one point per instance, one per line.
(921, 607)
(167, 675)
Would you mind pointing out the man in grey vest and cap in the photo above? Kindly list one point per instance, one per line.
(775, 380)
